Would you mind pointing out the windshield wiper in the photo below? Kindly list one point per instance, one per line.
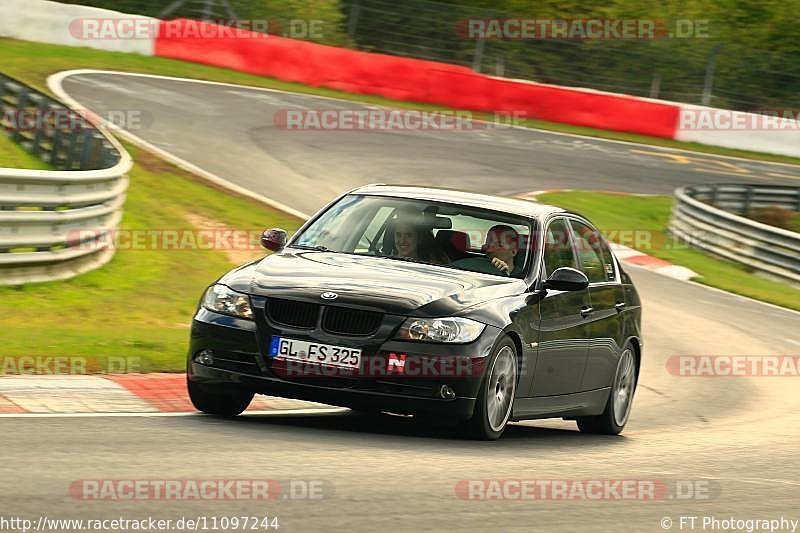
(406, 259)
(313, 248)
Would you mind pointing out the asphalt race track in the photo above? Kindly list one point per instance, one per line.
(229, 131)
(738, 436)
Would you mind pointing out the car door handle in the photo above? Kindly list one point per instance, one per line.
(619, 306)
(586, 311)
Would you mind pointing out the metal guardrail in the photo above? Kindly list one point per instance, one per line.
(709, 217)
(45, 214)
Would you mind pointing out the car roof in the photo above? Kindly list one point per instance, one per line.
(451, 196)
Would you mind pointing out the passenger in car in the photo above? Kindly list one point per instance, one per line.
(501, 249)
(411, 237)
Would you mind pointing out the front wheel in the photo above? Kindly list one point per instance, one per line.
(618, 408)
(496, 397)
(218, 400)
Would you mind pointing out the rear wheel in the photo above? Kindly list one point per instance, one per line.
(220, 400)
(618, 408)
(496, 398)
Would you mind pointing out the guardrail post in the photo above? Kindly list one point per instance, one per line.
(86, 149)
(22, 103)
(58, 145)
(74, 149)
(748, 199)
(41, 126)
(89, 153)
(112, 158)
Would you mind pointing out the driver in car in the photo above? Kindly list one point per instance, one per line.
(501, 249)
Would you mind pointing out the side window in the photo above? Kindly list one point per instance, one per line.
(590, 248)
(557, 247)
(608, 260)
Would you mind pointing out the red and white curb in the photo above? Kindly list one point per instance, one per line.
(120, 394)
(630, 256)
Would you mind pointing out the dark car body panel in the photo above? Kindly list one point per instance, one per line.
(563, 344)
(566, 361)
(391, 286)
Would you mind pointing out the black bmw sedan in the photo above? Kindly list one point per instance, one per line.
(469, 309)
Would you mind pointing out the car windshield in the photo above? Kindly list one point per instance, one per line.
(448, 235)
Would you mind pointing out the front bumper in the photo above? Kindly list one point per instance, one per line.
(240, 355)
(365, 400)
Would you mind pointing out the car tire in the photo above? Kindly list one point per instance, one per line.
(496, 397)
(218, 400)
(618, 407)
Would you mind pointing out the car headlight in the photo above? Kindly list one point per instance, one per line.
(222, 299)
(454, 329)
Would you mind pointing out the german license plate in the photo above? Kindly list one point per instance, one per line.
(314, 352)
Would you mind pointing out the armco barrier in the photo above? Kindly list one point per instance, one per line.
(41, 211)
(781, 136)
(56, 23)
(702, 218)
(409, 79)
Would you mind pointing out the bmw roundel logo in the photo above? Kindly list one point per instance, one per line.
(329, 295)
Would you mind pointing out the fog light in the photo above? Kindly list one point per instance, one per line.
(204, 357)
(447, 393)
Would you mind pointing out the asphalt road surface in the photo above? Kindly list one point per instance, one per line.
(230, 131)
(735, 438)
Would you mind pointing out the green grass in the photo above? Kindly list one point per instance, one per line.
(12, 155)
(616, 215)
(33, 62)
(141, 303)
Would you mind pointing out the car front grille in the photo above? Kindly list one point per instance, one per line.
(336, 320)
(294, 314)
(344, 321)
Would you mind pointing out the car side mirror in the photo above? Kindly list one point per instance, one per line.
(274, 239)
(566, 279)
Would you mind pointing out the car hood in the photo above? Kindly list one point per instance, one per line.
(386, 285)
